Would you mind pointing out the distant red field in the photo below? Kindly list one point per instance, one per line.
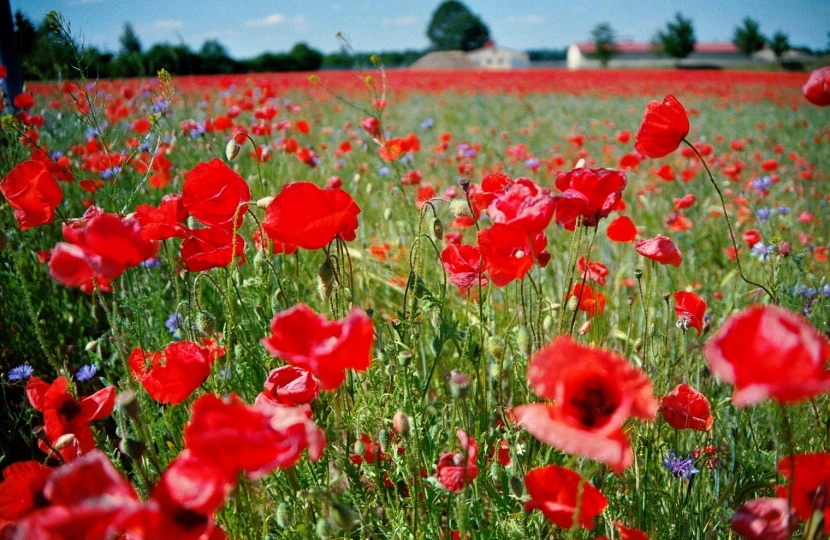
(743, 86)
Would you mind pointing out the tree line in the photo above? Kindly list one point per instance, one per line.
(47, 55)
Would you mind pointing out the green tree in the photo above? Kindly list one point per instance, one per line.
(605, 41)
(306, 58)
(454, 27)
(678, 39)
(748, 37)
(215, 59)
(129, 40)
(780, 43)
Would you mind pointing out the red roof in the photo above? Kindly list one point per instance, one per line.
(630, 47)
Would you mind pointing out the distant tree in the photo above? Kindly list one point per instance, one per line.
(306, 58)
(678, 39)
(605, 40)
(780, 43)
(215, 59)
(129, 40)
(454, 27)
(748, 37)
(9, 53)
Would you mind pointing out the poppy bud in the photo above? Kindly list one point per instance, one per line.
(547, 323)
(495, 470)
(495, 346)
(400, 422)
(383, 440)
(285, 519)
(232, 149)
(127, 402)
(325, 279)
(132, 448)
(437, 230)
(573, 303)
(517, 486)
(387, 214)
(323, 528)
(205, 323)
(359, 447)
(91, 345)
(65, 440)
(404, 357)
(264, 202)
(368, 189)
(495, 370)
(341, 516)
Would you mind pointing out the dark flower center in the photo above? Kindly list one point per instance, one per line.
(593, 404)
(69, 410)
(39, 500)
(190, 519)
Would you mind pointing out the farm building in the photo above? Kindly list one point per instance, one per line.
(488, 57)
(646, 55)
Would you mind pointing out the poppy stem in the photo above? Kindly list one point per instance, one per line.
(728, 223)
(584, 274)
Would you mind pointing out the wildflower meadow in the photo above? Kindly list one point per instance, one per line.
(416, 305)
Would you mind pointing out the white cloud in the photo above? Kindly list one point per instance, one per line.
(525, 19)
(270, 20)
(400, 21)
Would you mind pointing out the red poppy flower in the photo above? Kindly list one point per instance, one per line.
(769, 352)
(310, 217)
(162, 222)
(686, 408)
(455, 471)
(751, 237)
(326, 349)
(462, 262)
(212, 193)
(289, 385)
(817, 87)
(684, 202)
(809, 476)
(690, 309)
(596, 271)
(22, 489)
(276, 247)
(594, 391)
(33, 193)
(187, 495)
(87, 498)
(63, 414)
(235, 437)
(562, 495)
(590, 193)
(491, 186)
(621, 229)
(186, 366)
(590, 301)
(524, 206)
(660, 249)
(102, 245)
(766, 518)
(211, 248)
(161, 165)
(664, 127)
(629, 533)
(24, 101)
(507, 252)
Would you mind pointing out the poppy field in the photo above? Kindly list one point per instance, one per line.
(417, 305)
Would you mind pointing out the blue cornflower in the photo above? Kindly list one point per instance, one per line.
(783, 210)
(762, 184)
(161, 105)
(174, 324)
(684, 467)
(383, 171)
(761, 251)
(111, 172)
(826, 290)
(23, 371)
(428, 123)
(763, 214)
(86, 373)
(532, 163)
(152, 262)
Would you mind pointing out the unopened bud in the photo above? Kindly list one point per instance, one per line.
(387, 214)
(584, 328)
(523, 340)
(206, 323)
(264, 202)
(91, 345)
(127, 402)
(232, 149)
(437, 229)
(325, 279)
(404, 357)
(459, 384)
(400, 422)
(67, 439)
(547, 323)
(495, 345)
(516, 486)
(285, 519)
(383, 440)
(573, 303)
(580, 163)
(359, 447)
(132, 448)
(341, 516)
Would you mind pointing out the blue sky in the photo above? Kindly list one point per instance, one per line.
(247, 28)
